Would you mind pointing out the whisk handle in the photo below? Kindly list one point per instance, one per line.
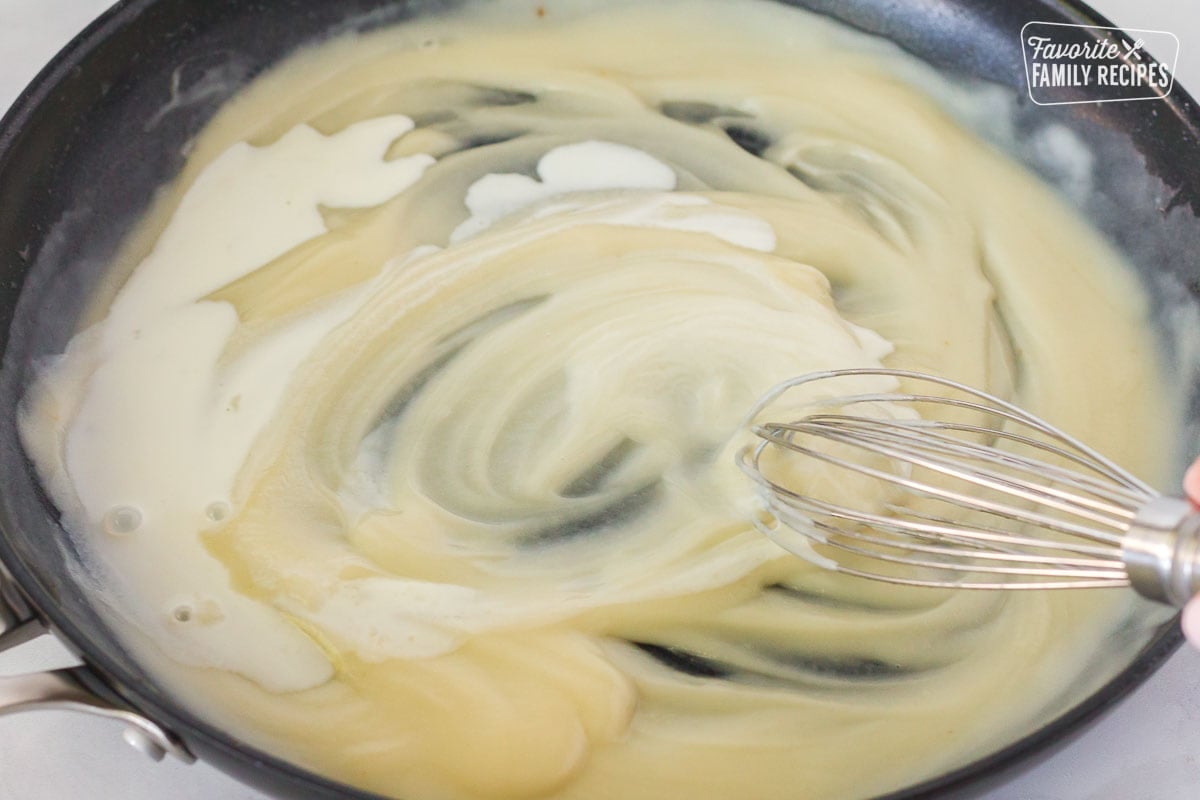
(1161, 551)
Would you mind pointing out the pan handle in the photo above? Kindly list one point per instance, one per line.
(13, 610)
(66, 689)
(63, 689)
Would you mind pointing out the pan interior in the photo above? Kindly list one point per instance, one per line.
(744, 131)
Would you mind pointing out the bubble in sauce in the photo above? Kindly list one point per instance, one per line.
(191, 610)
(218, 511)
(122, 520)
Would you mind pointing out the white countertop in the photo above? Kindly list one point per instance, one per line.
(1147, 749)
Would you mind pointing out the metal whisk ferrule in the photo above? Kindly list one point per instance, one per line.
(920, 480)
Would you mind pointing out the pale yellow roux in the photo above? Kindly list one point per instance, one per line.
(353, 588)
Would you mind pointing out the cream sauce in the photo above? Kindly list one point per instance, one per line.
(403, 439)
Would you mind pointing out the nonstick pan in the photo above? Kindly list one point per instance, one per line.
(83, 151)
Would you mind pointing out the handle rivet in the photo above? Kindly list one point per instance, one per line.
(143, 744)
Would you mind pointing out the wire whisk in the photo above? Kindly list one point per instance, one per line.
(934, 483)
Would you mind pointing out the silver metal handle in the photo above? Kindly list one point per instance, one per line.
(63, 689)
(66, 688)
(13, 610)
(1161, 551)
(8, 617)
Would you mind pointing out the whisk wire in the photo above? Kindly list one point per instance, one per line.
(994, 538)
(926, 489)
(960, 576)
(905, 521)
(1085, 571)
(1089, 499)
(927, 435)
(982, 402)
(1009, 502)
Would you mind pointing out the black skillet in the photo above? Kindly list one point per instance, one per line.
(85, 147)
